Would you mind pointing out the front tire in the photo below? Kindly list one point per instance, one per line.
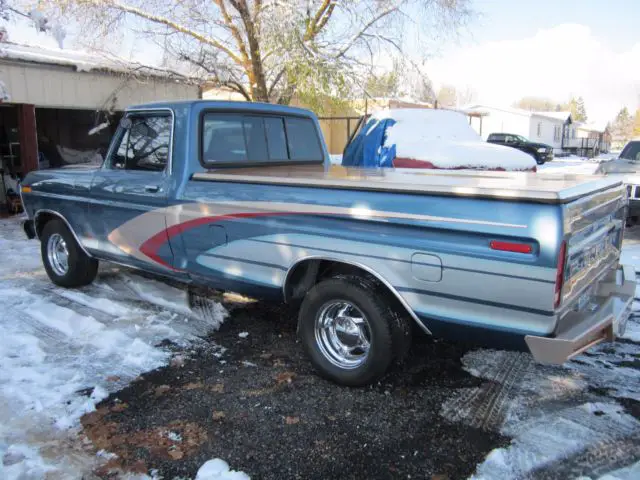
(64, 260)
(350, 331)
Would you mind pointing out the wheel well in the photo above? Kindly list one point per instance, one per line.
(41, 220)
(305, 274)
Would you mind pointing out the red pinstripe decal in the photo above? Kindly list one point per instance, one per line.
(152, 245)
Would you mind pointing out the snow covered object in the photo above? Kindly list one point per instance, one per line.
(427, 138)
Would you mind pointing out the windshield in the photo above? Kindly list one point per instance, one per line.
(631, 151)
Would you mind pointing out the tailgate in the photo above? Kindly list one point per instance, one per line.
(593, 227)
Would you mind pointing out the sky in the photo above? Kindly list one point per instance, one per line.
(516, 48)
(547, 48)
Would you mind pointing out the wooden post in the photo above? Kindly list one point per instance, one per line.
(28, 138)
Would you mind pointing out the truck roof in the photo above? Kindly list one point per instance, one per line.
(484, 184)
(225, 105)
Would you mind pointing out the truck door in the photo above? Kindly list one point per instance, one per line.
(129, 193)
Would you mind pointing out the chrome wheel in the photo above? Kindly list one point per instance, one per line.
(343, 334)
(58, 254)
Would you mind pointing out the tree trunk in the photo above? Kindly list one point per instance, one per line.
(259, 92)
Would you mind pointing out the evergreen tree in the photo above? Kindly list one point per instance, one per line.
(577, 109)
(580, 111)
(622, 127)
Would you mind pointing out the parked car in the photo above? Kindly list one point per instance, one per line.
(427, 139)
(242, 197)
(627, 167)
(539, 151)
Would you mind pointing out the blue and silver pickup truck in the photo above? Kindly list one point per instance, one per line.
(242, 197)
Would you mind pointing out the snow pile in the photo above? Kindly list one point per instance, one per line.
(444, 139)
(62, 351)
(217, 469)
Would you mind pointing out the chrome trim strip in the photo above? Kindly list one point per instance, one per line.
(353, 212)
(391, 288)
(44, 210)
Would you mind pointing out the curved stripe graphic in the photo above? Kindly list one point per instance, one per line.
(144, 235)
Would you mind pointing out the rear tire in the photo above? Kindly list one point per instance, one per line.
(64, 260)
(335, 316)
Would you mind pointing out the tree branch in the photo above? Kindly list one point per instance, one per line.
(367, 26)
(320, 19)
(123, 7)
(234, 30)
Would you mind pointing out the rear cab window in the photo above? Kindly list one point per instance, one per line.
(240, 139)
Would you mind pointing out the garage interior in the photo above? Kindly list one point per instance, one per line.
(39, 138)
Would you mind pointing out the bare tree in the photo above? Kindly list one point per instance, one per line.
(538, 104)
(269, 50)
(447, 96)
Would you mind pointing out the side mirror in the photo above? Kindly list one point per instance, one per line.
(125, 123)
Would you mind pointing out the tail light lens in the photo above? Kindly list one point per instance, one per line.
(560, 274)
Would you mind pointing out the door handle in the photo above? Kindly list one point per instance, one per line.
(151, 188)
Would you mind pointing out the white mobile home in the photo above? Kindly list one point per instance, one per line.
(544, 127)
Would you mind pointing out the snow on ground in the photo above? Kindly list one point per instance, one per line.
(64, 350)
(563, 419)
(574, 164)
(217, 469)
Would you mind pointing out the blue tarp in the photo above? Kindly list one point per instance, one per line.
(367, 148)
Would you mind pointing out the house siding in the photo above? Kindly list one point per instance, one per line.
(547, 128)
(499, 121)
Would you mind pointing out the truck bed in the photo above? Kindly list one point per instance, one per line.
(531, 187)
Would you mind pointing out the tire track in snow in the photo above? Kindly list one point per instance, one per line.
(487, 406)
(594, 461)
(558, 424)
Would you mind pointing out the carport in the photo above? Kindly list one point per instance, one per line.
(60, 107)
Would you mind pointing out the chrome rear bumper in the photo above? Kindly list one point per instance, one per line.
(601, 321)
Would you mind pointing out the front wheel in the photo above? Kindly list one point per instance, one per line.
(350, 331)
(64, 260)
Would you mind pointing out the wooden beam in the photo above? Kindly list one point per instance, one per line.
(28, 138)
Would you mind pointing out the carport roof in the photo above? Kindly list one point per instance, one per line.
(84, 61)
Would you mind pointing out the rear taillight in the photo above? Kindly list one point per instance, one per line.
(560, 275)
(510, 246)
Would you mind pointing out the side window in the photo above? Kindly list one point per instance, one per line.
(144, 145)
(276, 138)
(237, 138)
(303, 139)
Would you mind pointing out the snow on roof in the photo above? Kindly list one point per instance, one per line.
(81, 61)
(553, 115)
(488, 108)
(516, 111)
(445, 139)
(599, 127)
